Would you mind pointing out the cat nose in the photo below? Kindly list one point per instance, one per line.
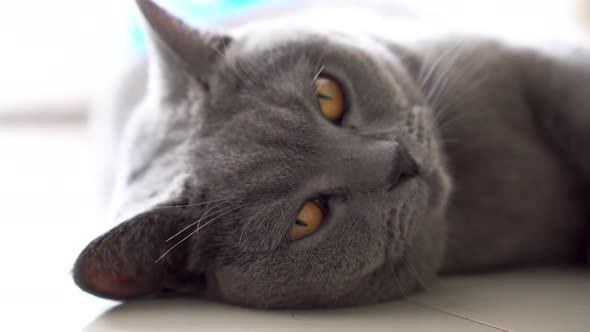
(404, 167)
(372, 164)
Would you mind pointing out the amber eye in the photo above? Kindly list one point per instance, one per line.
(309, 219)
(330, 97)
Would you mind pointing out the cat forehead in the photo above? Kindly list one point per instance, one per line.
(271, 65)
(267, 35)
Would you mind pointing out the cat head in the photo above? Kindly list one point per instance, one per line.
(274, 169)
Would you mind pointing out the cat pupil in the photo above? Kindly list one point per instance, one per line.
(300, 223)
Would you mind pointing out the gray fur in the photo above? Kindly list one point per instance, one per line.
(240, 129)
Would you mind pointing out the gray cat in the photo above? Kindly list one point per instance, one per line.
(306, 167)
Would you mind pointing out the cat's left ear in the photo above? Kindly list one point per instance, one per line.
(176, 49)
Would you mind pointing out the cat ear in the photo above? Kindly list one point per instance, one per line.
(126, 262)
(177, 49)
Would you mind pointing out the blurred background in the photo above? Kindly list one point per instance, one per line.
(54, 58)
(56, 54)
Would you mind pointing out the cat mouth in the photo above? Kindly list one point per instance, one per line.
(397, 230)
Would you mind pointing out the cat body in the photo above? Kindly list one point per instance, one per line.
(215, 156)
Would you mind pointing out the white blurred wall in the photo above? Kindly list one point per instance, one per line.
(56, 52)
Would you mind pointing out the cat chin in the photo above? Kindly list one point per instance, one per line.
(407, 261)
(413, 270)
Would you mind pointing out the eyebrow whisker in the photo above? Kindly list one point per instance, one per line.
(316, 93)
(318, 73)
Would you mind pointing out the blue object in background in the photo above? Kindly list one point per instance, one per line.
(196, 12)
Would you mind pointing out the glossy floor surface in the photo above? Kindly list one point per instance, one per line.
(521, 301)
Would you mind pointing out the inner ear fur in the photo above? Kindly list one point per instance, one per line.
(177, 49)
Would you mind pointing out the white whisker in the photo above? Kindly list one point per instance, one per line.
(318, 73)
(205, 214)
(190, 205)
(416, 274)
(195, 231)
(399, 285)
(215, 48)
(319, 87)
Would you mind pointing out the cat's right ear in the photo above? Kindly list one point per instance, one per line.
(136, 259)
(179, 54)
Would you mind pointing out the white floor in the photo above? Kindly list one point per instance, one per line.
(535, 301)
(47, 217)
